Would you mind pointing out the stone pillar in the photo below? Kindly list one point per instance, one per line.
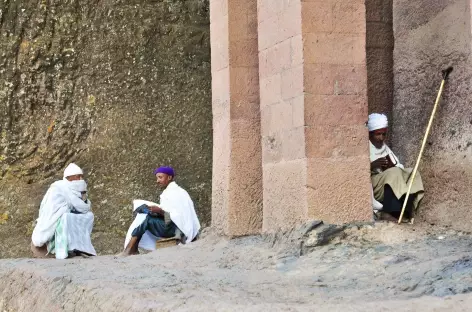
(428, 40)
(237, 171)
(313, 87)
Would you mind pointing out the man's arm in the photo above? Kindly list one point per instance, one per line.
(156, 209)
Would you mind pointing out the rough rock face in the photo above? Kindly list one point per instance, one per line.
(429, 36)
(119, 87)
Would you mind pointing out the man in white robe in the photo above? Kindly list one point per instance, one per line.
(173, 215)
(65, 221)
(389, 177)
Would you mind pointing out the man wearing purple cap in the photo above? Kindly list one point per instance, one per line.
(174, 214)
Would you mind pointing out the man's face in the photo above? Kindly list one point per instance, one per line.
(75, 177)
(377, 137)
(163, 180)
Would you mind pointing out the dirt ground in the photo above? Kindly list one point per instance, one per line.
(381, 267)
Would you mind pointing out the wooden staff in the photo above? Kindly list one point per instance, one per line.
(445, 74)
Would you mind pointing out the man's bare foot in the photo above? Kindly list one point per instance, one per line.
(39, 252)
(126, 253)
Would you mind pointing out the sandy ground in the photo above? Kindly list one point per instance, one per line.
(366, 268)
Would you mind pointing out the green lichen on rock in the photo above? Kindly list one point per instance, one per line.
(119, 87)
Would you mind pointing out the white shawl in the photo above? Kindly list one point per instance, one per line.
(61, 197)
(177, 202)
(376, 153)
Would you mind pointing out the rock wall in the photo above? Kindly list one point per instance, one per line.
(118, 87)
(429, 36)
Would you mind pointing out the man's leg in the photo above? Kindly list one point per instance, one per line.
(132, 247)
(391, 205)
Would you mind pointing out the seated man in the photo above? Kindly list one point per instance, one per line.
(65, 221)
(174, 213)
(389, 178)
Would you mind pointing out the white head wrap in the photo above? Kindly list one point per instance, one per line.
(71, 170)
(377, 121)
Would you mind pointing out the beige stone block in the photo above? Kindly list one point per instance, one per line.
(218, 10)
(275, 59)
(339, 189)
(298, 111)
(276, 118)
(317, 17)
(269, 8)
(244, 81)
(285, 195)
(244, 53)
(245, 214)
(219, 44)
(349, 17)
(296, 47)
(220, 93)
(267, 36)
(335, 79)
(318, 79)
(334, 48)
(221, 172)
(292, 82)
(272, 148)
(244, 93)
(293, 144)
(333, 110)
(290, 21)
(270, 90)
(332, 140)
(241, 7)
(243, 26)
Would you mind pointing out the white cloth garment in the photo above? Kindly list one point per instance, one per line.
(376, 206)
(72, 169)
(61, 198)
(177, 202)
(376, 153)
(377, 121)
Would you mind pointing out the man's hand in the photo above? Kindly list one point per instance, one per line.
(381, 163)
(156, 209)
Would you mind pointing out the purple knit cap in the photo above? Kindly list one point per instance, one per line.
(166, 170)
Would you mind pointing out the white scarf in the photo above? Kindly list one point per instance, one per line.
(176, 201)
(61, 197)
(376, 153)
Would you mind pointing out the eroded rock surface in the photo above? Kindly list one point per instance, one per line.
(429, 37)
(381, 267)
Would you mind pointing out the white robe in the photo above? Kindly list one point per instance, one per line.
(177, 202)
(376, 153)
(56, 205)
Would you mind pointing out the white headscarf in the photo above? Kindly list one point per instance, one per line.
(377, 121)
(71, 170)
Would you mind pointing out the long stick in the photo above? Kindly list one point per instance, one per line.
(446, 73)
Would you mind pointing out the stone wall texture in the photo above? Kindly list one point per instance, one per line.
(237, 172)
(429, 36)
(379, 49)
(118, 87)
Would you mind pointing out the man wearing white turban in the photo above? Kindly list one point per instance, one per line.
(65, 221)
(389, 177)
